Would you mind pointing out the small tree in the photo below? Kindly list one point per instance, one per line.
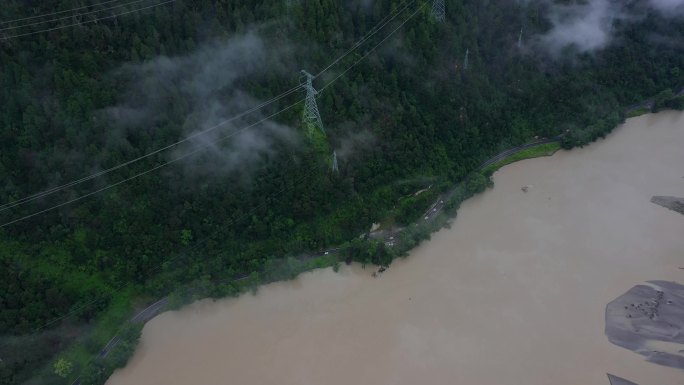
(63, 368)
(186, 237)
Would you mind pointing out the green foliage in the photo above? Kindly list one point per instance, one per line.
(669, 100)
(545, 149)
(411, 208)
(63, 368)
(477, 183)
(165, 232)
(638, 112)
(366, 252)
(661, 99)
(98, 370)
(579, 136)
(186, 237)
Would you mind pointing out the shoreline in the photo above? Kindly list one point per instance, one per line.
(449, 259)
(437, 220)
(436, 217)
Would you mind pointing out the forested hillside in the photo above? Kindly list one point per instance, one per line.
(80, 100)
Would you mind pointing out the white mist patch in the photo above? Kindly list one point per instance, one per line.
(668, 5)
(587, 26)
(203, 92)
(355, 142)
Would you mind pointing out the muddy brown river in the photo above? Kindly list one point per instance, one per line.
(513, 293)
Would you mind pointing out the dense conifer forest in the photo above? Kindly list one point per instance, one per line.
(412, 114)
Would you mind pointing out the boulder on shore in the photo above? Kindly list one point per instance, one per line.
(645, 315)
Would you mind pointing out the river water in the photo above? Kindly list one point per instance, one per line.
(513, 293)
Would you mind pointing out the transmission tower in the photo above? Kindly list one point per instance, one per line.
(438, 10)
(288, 7)
(311, 115)
(335, 168)
(465, 61)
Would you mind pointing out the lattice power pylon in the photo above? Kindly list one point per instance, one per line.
(335, 168)
(438, 10)
(312, 118)
(465, 61)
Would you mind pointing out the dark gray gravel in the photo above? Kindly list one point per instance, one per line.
(615, 380)
(672, 203)
(653, 311)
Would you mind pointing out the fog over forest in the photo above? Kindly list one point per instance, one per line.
(161, 148)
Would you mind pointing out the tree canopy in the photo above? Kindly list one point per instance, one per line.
(79, 100)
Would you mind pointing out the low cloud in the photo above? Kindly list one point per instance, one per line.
(240, 146)
(668, 6)
(203, 91)
(587, 25)
(355, 142)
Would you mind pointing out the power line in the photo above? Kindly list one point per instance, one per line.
(161, 265)
(372, 49)
(88, 21)
(370, 34)
(53, 190)
(193, 248)
(76, 310)
(191, 153)
(36, 196)
(70, 16)
(57, 13)
(438, 11)
(201, 148)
